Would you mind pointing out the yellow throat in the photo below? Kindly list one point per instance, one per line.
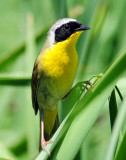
(55, 61)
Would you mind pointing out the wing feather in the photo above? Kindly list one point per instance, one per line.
(34, 86)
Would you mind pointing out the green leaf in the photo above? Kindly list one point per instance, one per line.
(68, 103)
(15, 79)
(5, 154)
(112, 108)
(116, 130)
(119, 93)
(14, 53)
(32, 142)
(121, 154)
(60, 8)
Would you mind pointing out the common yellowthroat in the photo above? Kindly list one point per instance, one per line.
(54, 72)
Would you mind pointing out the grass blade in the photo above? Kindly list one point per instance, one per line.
(119, 93)
(15, 79)
(116, 130)
(32, 142)
(121, 154)
(60, 8)
(20, 49)
(112, 108)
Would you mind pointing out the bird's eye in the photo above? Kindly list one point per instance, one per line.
(67, 27)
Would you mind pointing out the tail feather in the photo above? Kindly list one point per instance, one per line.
(55, 127)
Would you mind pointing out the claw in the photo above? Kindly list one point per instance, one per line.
(83, 85)
(48, 142)
(44, 145)
(90, 84)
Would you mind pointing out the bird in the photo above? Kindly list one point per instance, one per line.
(53, 74)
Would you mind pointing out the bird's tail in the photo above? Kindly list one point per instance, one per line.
(51, 123)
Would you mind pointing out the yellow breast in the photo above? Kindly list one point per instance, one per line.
(60, 64)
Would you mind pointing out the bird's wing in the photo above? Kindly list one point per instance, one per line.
(34, 86)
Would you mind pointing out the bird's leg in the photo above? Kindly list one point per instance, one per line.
(67, 94)
(43, 141)
(82, 85)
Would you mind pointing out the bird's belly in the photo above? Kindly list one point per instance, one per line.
(57, 80)
(64, 83)
(51, 90)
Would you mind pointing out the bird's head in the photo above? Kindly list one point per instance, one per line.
(66, 29)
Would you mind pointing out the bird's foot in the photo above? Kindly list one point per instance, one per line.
(83, 85)
(44, 145)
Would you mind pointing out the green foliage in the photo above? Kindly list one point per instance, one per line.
(113, 108)
(120, 154)
(85, 130)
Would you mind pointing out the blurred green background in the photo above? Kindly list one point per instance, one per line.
(23, 28)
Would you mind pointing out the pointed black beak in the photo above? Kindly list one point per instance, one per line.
(82, 28)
